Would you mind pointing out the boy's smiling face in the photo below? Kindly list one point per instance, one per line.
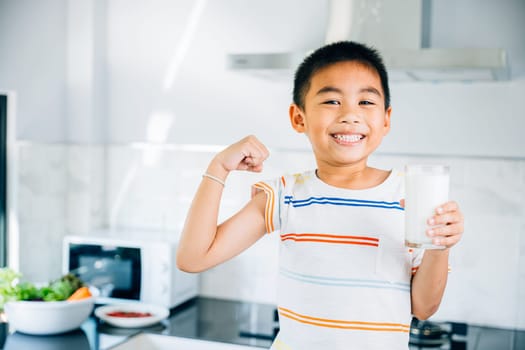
(344, 114)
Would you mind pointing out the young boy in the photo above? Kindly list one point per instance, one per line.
(346, 280)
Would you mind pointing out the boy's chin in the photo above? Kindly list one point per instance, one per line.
(343, 162)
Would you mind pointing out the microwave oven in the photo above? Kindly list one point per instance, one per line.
(129, 269)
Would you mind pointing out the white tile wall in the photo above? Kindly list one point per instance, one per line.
(151, 188)
(59, 192)
(85, 201)
(42, 210)
(75, 189)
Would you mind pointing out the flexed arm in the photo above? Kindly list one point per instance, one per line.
(204, 243)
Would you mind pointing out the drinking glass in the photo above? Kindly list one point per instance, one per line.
(426, 187)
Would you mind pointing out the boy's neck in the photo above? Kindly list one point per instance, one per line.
(352, 177)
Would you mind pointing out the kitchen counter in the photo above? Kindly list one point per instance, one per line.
(221, 321)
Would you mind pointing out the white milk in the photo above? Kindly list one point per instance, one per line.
(426, 187)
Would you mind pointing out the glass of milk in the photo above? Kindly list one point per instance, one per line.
(426, 187)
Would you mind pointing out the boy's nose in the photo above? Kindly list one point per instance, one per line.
(350, 118)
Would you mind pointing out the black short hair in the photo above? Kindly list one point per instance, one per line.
(333, 53)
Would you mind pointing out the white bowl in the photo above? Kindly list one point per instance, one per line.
(48, 317)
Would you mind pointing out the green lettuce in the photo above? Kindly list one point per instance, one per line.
(11, 289)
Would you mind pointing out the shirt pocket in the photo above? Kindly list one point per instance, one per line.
(393, 263)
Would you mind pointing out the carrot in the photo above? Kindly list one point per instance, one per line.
(80, 293)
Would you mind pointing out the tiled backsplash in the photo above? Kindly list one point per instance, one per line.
(60, 190)
(74, 189)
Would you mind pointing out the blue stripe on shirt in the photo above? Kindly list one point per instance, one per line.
(341, 201)
(345, 282)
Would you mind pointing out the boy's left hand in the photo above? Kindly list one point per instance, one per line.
(446, 226)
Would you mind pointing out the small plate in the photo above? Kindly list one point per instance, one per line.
(158, 313)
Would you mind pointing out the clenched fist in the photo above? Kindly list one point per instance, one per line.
(247, 154)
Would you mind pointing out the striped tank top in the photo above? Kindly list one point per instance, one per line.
(344, 272)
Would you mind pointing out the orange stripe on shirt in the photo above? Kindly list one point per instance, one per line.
(270, 205)
(327, 238)
(342, 324)
(330, 241)
(330, 235)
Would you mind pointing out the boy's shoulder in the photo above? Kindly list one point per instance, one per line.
(290, 181)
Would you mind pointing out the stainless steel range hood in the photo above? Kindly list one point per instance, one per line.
(401, 31)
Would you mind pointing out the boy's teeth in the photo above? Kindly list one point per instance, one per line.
(348, 138)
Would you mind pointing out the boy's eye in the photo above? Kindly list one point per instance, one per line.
(365, 102)
(332, 102)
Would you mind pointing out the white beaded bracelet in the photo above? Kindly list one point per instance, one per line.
(214, 178)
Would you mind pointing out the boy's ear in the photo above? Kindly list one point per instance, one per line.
(388, 112)
(296, 118)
